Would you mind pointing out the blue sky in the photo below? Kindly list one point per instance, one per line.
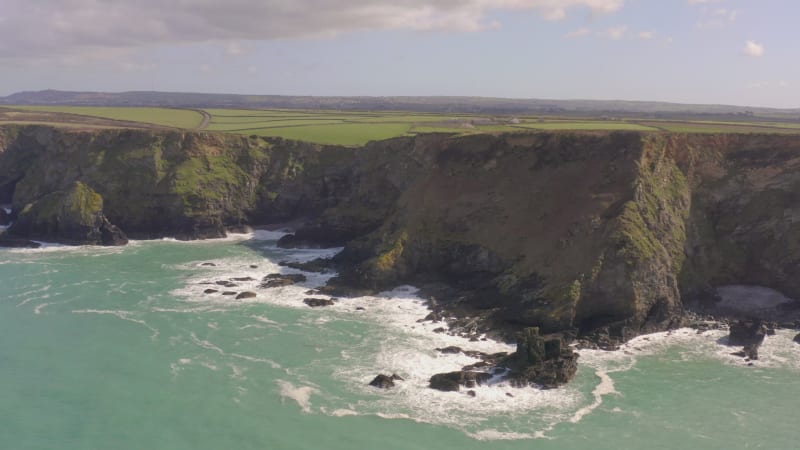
(690, 51)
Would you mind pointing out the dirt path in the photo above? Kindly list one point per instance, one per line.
(206, 119)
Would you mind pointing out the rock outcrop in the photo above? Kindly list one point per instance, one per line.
(74, 215)
(382, 381)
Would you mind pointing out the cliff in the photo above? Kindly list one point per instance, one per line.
(562, 231)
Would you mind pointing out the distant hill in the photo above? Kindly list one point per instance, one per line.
(477, 105)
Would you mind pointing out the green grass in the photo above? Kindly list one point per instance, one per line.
(600, 125)
(358, 127)
(177, 118)
(341, 134)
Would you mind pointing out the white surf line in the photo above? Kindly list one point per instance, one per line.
(38, 309)
(121, 315)
(301, 395)
(205, 344)
(272, 363)
(26, 293)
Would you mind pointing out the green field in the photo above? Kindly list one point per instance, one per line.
(176, 118)
(353, 128)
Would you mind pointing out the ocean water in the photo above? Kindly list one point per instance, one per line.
(119, 348)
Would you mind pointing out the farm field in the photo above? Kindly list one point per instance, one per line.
(175, 118)
(353, 128)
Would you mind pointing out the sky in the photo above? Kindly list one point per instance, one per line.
(739, 52)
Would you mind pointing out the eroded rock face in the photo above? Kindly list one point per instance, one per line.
(5, 218)
(73, 216)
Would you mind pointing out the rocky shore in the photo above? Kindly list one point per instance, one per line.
(589, 238)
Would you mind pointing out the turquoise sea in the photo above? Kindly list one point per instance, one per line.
(119, 348)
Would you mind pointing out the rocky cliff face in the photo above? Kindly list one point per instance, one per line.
(562, 231)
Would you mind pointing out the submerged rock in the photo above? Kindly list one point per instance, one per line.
(797, 338)
(210, 291)
(319, 302)
(319, 265)
(246, 294)
(274, 280)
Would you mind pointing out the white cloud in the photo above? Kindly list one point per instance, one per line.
(46, 28)
(768, 84)
(727, 14)
(616, 33)
(137, 67)
(751, 48)
(252, 70)
(718, 18)
(647, 35)
(555, 14)
(234, 49)
(580, 32)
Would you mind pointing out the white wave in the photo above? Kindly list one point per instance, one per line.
(205, 344)
(272, 363)
(124, 315)
(29, 295)
(341, 412)
(40, 307)
(301, 395)
(268, 235)
(496, 435)
(264, 319)
(605, 387)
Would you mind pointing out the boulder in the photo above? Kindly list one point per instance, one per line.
(246, 294)
(385, 381)
(318, 302)
(274, 280)
(452, 350)
(229, 293)
(210, 291)
(319, 265)
(452, 381)
(747, 332)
